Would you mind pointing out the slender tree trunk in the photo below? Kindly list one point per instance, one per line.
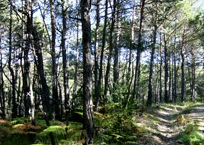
(130, 79)
(149, 99)
(193, 75)
(32, 99)
(2, 97)
(111, 45)
(54, 67)
(14, 104)
(166, 95)
(96, 48)
(182, 68)
(160, 68)
(26, 67)
(98, 88)
(77, 59)
(116, 48)
(87, 72)
(64, 61)
(139, 49)
(174, 91)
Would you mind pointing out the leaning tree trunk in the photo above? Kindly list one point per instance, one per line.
(87, 72)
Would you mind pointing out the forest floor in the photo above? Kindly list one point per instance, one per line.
(166, 124)
(173, 125)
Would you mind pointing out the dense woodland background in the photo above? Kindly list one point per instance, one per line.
(60, 56)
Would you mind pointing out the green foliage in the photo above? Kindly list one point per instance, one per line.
(58, 132)
(117, 125)
(18, 139)
(191, 135)
(20, 120)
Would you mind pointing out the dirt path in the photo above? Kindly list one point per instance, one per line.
(166, 130)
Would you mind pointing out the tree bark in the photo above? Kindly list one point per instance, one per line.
(87, 72)
(55, 95)
(139, 50)
(116, 48)
(98, 89)
(111, 45)
(2, 96)
(96, 48)
(166, 74)
(64, 62)
(150, 94)
(14, 104)
(183, 94)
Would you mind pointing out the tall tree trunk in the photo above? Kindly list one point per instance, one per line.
(166, 74)
(139, 49)
(111, 45)
(182, 68)
(193, 75)
(98, 88)
(77, 56)
(116, 48)
(14, 104)
(26, 67)
(32, 106)
(130, 79)
(54, 67)
(87, 72)
(64, 61)
(45, 93)
(150, 94)
(174, 88)
(96, 48)
(160, 68)
(2, 97)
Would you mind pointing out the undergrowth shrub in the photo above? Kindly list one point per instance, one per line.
(191, 135)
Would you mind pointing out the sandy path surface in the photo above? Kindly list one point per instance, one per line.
(166, 131)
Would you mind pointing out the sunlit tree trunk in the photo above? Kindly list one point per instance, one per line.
(87, 72)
